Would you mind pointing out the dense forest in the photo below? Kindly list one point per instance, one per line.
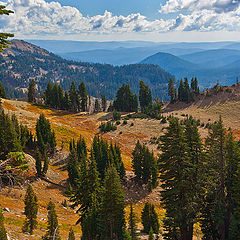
(27, 61)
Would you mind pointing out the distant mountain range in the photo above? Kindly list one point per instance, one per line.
(23, 61)
(209, 61)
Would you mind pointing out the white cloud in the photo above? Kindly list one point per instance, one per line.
(39, 18)
(197, 5)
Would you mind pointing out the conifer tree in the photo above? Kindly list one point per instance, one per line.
(132, 227)
(2, 91)
(149, 218)
(71, 235)
(3, 232)
(171, 90)
(4, 36)
(46, 163)
(32, 91)
(38, 163)
(81, 148)
(151, 235)
(31, 209)
(73, 167)
(180, 150)
(96, 106)
(74, 99)
(181, 91)
(113, 207)
(52, 228)
(83, 96)
(145, 96)
(104, 103)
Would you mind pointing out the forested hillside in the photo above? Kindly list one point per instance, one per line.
(24, 61)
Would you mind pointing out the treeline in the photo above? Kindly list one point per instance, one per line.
(184, 93)
(200, 181)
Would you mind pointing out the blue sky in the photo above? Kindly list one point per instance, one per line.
(105, 20)
(148, 8)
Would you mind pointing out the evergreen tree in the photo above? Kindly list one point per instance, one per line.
(71, 235)
(73, 167)
(151, 235)
(2, 91)
(46, 163)
(132, 228)
(180, 150)
(32, 91)
(9, 141)
(187, 94)
(149, 218)
(31, 209)
(38, 163)
(74, 99)
(181, 91)
(52, 228)
(3, 232)
(96, 106)
(81, 148)
(4, 36)
(83, 96)
(171, 90)
(104, 103)
(113, 207)
(145, 96)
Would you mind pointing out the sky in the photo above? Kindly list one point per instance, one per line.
(114, 20)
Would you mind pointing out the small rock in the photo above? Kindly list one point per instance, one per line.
(6, 209)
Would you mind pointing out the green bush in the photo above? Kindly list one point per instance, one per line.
(116, 115)
(125, 122)
(107, 127)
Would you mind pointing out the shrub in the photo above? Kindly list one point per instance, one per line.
(132, 124)
(116, 115)
(107, 127)
(164, 120)
(125, 122)
(118, 122)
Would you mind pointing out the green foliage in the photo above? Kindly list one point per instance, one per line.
(9, 138)
(96, 106)
(4, 36)
(30, 211)
(45, 137)
(116, 115)
(172, 91)
(38, 163)
(112, 211)
(104, 102)
(73, 167)
(145, 96)
(83, 96)
(106, 155)
(145, 165)
(149, 218)
(181, 177)
(125, 101)
(32, 91)
(3, 232)
(107, 127)
(74, 98)
(2, 91)
(151, 235)
(71, 235)
(52, 227)
(132, 226)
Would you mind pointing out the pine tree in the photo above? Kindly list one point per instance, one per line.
(38, 163)
(181, 91)
(73, 167)
(180, 150)
(171, 90)
(32, 91)
(4, 36)
(96, 106)
(149, 218)
(104, 103)
(52, 228)
(46, 163)
(151, 235)
(74, 99)
(31, 209)
(145, 96)
(132, 227)
(71, 235)
(2, 91)
(83, 96)
(3, 232)
(113, 206)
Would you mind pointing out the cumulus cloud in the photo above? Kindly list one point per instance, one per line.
(197, 5)
(38, 17)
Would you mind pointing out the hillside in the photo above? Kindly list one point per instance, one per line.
(67, 126)
(27, 61)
